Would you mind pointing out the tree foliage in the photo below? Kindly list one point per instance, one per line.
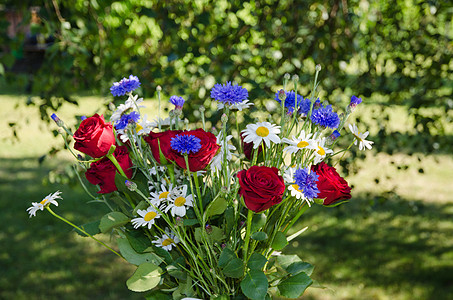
(401, 50)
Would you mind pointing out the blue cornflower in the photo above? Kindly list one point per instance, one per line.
(307, 182)
(334, 135)
(177, 101)
(354, 102)
(122, 123)
(125, 86)
(228, 93)
(325, 117)
(185, 143)
(304, 108)
(290, 100)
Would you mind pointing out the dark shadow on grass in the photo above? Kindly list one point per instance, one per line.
(391, 243)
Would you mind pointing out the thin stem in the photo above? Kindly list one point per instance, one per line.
(302, 209)
(117, 165)
(81, 230)
(247, 235)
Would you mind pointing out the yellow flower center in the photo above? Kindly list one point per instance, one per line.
(321, 151)
(138, 127)
(262, 131)
(296, 187)
(149, 216)
(167, 242)
(163, 195)
(302, 144)
(44, 201)
(180, 201)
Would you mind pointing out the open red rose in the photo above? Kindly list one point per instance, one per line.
(200, 160)
(164, 140)
(103, 172)
(197, 161)
(94, 136)
(332, 187)
(261, 187)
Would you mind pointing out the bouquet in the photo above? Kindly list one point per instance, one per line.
(205, 213)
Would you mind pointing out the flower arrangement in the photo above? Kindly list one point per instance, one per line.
(204, 215)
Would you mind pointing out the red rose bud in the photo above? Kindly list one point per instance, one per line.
(248, 149)
(94, 136)
(103, 172)
(332, 187)
(261, 187)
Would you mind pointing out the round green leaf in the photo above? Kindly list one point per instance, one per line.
(146, 277)
(113, 220)
(294, 286)
(279, 241)
(259, 236)
(256, 261)
(254, 285)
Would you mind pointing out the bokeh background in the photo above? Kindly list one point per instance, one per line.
(393, 240)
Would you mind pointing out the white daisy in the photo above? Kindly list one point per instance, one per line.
(131, 104)
(147, 217)
(145, 126)
(49, 199)
(239, 106)
(321, 150)
(259, 132)
(167, 241)
(216, 163)
(302, 142)
(360, 137)
(179, 201)
(164, 195)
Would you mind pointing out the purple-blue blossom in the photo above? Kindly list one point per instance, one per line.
(307, 182)
(177, 101)
(228, 93)
(125, 85)
(325, 117)
(185, 143)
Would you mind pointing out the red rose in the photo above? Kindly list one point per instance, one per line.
(197, 161)
(248, 149)
(94, 136)
(103, 172)
(164, 140)
(332, 187)
(200, 160)
(261, 187)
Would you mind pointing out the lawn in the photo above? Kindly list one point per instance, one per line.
(391, 241)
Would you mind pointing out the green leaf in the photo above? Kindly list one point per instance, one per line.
(258, 222)
(279, 241)
(294, 235)
(294, 286)
(176, 272)
(216, 235)
(216, 207)
(254, 285)
(259, 236)
(229, 219)
(146, 277)
(190, 222)
(230, 264)
(286, 260)
(112, 220)
(91, 228)
(157, 295)
(300, 266)
(136, 258)
(138, 240)
(256, 261)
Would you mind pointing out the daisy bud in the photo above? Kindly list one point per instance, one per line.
(287, 76)
(281, 95)
(202, 109)
(224, 118)
(296, 77)
(158, 88)
(318, 67)
(112, 106)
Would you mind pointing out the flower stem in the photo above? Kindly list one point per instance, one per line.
(117, 165)
(302, 209)
(247, 235)
(83, 231)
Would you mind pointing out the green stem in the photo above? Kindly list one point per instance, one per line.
(247, 235)
(302, 209)
(117, 165)
(81, 230)
(344, 152)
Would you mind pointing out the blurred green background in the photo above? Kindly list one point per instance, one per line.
(392, 240)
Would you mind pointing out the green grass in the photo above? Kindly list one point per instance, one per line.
(391, 241)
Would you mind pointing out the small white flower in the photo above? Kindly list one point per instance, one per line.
(147, 217)
(49, 199)
(321, 151)
(302, 142)
(131, 104)
(164, 195)
(239, 106)
(360, 137)
(145, 126)
(259, 132)
(167, 241)
(216, 163)
(179, 201)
